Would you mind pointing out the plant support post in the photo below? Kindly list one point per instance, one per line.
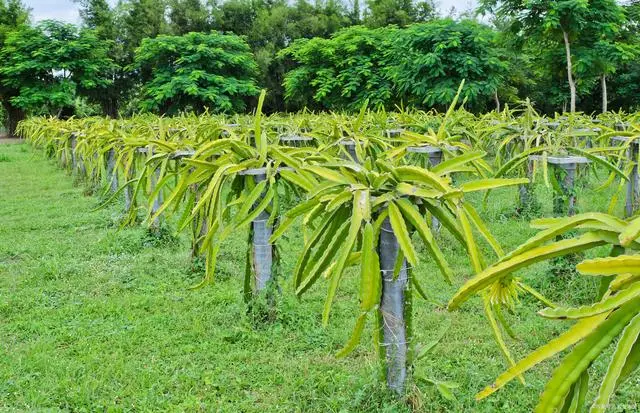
(525, 189)
(435, 158)
(631, 204)
(350, 147)
(567, 185)
(112, 171)
(392, 309)
(261, 248)
(128, 190)
(569, 164)
(74, 159)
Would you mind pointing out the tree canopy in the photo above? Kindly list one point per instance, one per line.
(196, 71)
(46, 67)
(578, 55)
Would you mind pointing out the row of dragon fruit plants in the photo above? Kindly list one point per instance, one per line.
(364, 188)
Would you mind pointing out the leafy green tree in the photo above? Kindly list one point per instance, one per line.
(519, 81)
(13, 14)
(142, 19)
(601, 49)
(98, 16)
(399, 12)
(626, 82)
(105, 21)
(342, 72)
(189, 16)
(237, 16)
(196, 71)
(48, 66)
(428, 61)
(276, 25)
(547, 70)
(355, 14)
(421, 65)
(559, 20)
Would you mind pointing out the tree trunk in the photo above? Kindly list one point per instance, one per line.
(497, 100)
(631, 204)
(572, 84)
(110, 107)
(603, 81)
(14, 116)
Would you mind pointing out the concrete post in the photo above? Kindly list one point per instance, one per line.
(567, 186)
(631, 204)
(112, 170)
(262, 248)
(350, 147)
(435, 158)
(392, 310)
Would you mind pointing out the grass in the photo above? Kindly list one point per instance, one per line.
(97, 318)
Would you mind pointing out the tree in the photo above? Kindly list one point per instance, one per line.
(237, 16)
(343, 72)
(48, 66)
(188, 16)
(562, 21)
(428, 61)
(399, 12)
(625, 90)
(601, 50)
(143, 19)
(540, 18)
(421, 65)
(13, 14)
(277, 25)
(98, 16)
(196, 71)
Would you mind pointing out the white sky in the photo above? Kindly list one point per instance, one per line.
(67, 11)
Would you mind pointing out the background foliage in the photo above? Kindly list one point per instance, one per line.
(331, 54)
(195, 72)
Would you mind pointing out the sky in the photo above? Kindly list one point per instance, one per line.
(67, 10)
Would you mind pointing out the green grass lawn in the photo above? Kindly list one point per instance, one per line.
(93, 317)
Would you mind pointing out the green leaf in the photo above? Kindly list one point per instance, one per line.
(625, 345)
(321, 239)
(370, 277)
(261, 138)
(491, 183)
(576, 333)
(411, 213)
(583, 355)
(346, 248)
(529, 257)
(483, 229)
(472, 247)
(402, 234)
(631, 233)
(605, 305)
(354, 340)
